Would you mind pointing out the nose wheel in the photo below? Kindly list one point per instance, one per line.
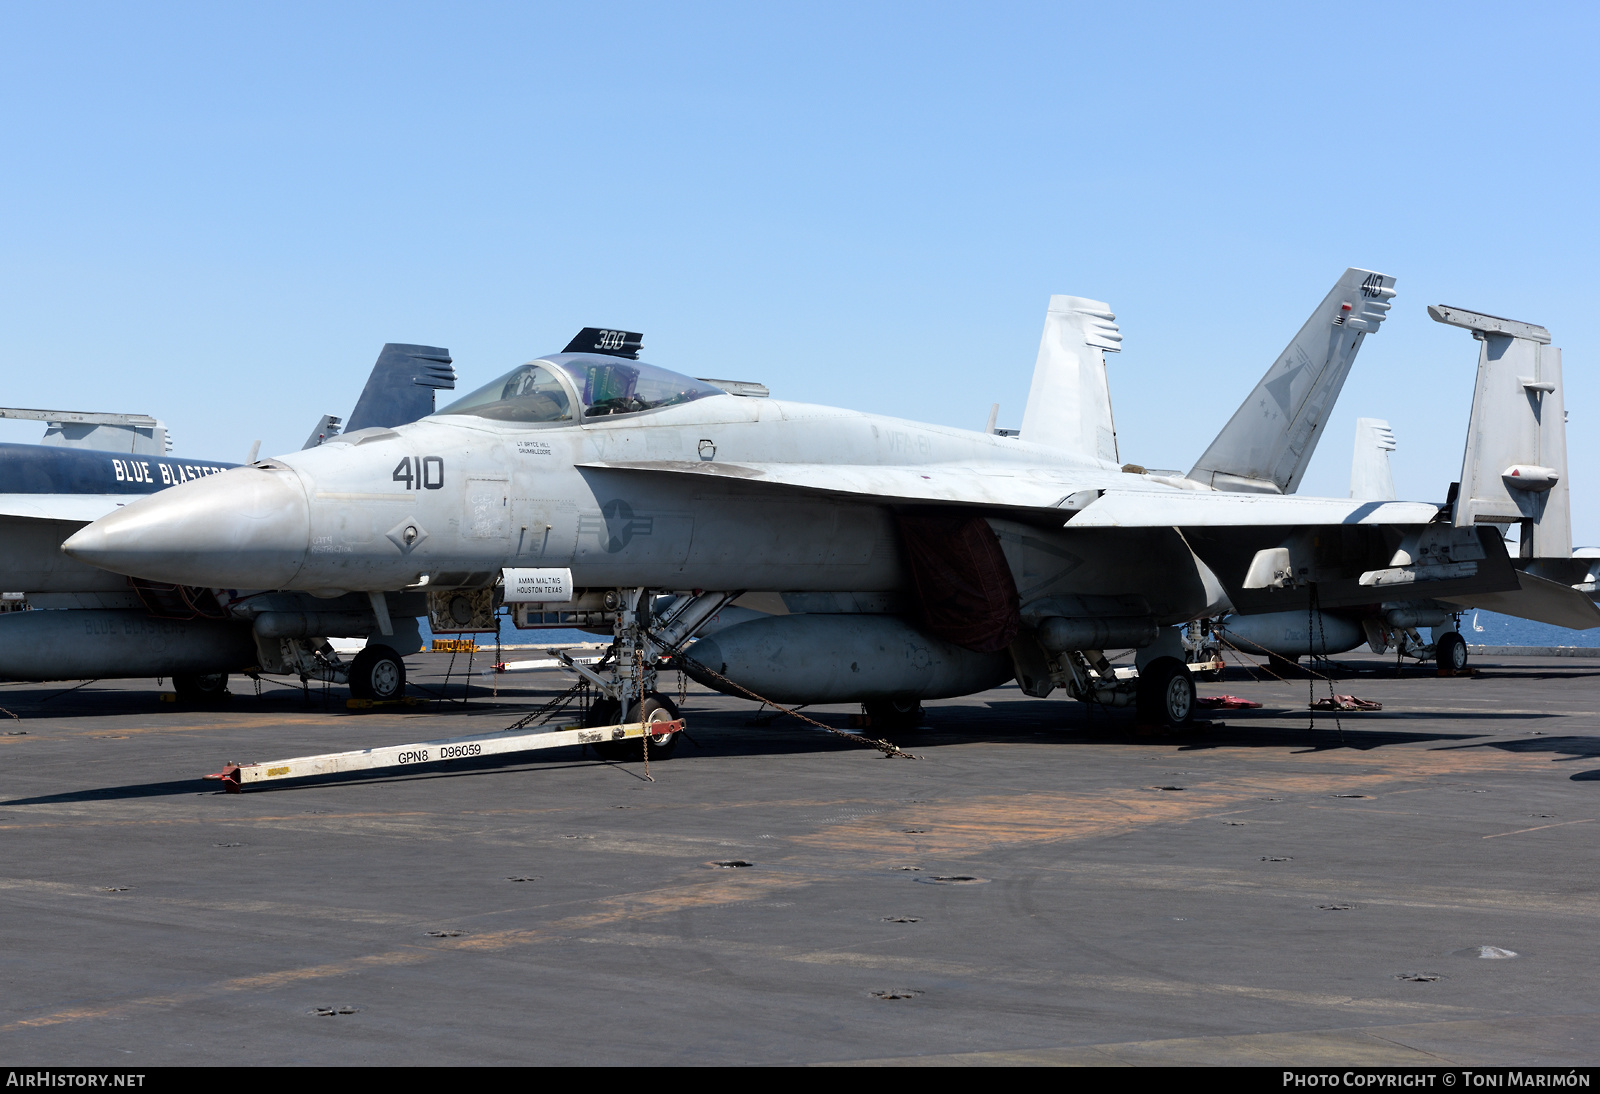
(657, 708)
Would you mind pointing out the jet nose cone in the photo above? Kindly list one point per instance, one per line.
(243, 529)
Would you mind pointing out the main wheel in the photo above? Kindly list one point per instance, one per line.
(894, 713)
(1450, 651)
(377, 672)
(1166, 693)
(200, 689)
(1280, 665)
(657, 708)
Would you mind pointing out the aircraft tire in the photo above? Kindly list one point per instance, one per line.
(1451, 651)
(657, 708)
(208, 688)
(1283, 666)
(1166, 693)
(603, 713)
(1212, 654)
(894, 713)
(377, 672)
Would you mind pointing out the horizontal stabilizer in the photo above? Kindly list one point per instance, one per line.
(1537, 599)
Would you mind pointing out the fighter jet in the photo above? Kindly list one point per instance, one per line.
(943, 560)
(1514, 471)
(947, 561)
(97, 624)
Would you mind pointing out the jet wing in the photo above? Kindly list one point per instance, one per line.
(80, 508)
(1539, 599)
(1010, 488)
(1187, 509)
(1084, 502)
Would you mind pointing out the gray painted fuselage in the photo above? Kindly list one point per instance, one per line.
(675, 498)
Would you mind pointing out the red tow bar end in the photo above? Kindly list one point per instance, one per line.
(229, 777)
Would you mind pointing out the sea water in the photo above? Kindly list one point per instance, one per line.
(1507, 630)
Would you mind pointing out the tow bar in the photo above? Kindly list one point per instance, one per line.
(235, 777)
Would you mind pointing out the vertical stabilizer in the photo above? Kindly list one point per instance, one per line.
(1371, 477)
(401, 386)
(1514, 467)
(1267, 444)
(1069, 403)
(326, 429)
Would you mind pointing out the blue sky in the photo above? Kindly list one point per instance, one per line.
(217, 213)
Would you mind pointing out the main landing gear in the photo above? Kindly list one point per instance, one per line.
(1451, 652)
(377, 672)
(1166, 693)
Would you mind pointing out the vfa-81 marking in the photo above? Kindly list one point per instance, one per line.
(902, 546)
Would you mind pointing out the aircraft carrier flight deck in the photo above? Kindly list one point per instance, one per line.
(1043, 883)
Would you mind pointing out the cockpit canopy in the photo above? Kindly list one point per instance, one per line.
(553, 388)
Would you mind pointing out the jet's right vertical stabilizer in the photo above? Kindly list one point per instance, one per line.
(1069, 403)
(1514, 468)
(1371, 477)
(326, 429)
(1267, 444)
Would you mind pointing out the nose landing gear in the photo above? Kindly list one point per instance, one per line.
(657, 708)
(629, 669)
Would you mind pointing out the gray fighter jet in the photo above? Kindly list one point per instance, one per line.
(1514, 471)
(939, 562)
